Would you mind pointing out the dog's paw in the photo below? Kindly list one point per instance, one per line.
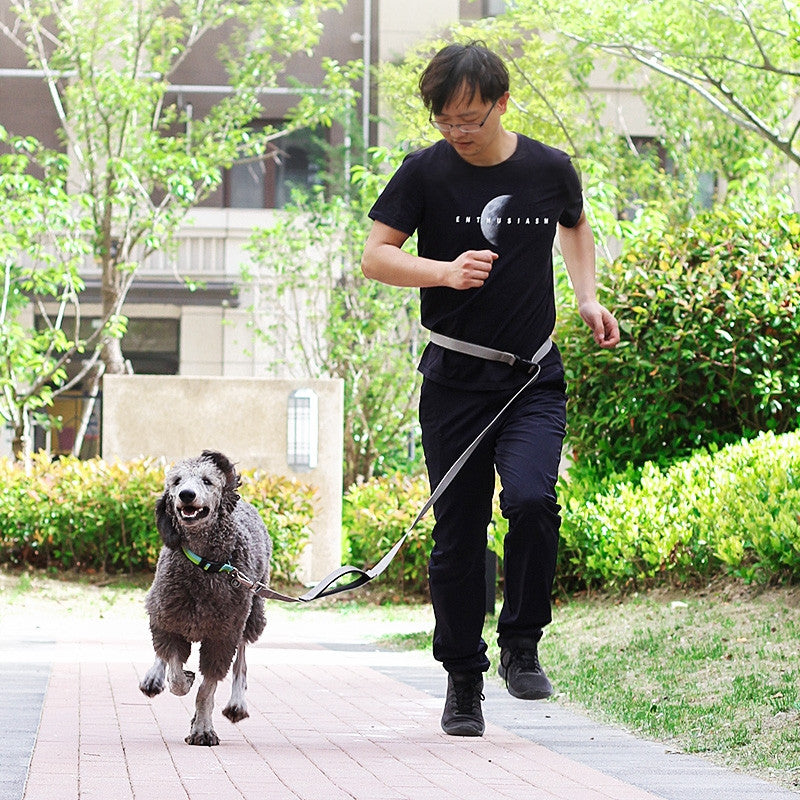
(204, 738)
(181, 687)
(235, 712)
(151, 686)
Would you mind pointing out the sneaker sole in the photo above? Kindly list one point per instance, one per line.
(532, 694)
(465, 730)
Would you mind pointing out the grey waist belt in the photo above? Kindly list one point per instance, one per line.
(527, 365)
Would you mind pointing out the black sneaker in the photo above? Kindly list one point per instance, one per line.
(523, 673)
(462, 714)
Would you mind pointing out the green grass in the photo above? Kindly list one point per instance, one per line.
(714, 672)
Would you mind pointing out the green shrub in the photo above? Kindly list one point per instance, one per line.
(376, 513)
(736, 511)
(711, 343)
(286, 506)
(99, 516)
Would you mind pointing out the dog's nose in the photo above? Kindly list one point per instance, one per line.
(186, 496)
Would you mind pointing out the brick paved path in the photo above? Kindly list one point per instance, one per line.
(335, 722)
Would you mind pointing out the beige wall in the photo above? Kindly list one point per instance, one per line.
(401, 25)
(174, 417)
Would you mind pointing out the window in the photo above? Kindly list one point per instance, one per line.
(152, 345)
(267, 182)
(492, 8)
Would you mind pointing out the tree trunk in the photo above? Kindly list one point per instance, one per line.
(111, 293)
(89, 404)
(112, 357)
(22, 445)
(19, 445)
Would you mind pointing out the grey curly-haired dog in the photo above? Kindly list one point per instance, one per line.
(204, 525)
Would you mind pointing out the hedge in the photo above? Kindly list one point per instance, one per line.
(735, 511)
(711, 343)
(731, 512)
(98, 516)
(375, 515)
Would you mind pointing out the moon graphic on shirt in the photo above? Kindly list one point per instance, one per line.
(491, 217)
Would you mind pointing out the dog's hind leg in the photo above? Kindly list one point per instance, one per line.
(215, 661)
(180, 679)
(236, 710)
(202, 730)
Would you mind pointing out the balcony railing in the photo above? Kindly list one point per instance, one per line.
(209, 246)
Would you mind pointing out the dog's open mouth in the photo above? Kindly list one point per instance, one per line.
(193, 513)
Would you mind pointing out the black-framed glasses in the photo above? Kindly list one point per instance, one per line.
(469, 127)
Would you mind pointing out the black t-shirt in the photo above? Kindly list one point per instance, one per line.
(511, 208)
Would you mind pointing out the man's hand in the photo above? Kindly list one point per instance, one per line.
(470, 269)
(602, 323)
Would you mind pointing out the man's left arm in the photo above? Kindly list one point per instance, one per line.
(577, 248)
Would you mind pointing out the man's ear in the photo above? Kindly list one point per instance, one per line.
(502, 102)
(165, 522)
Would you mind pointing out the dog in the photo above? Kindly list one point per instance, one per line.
(201, 514)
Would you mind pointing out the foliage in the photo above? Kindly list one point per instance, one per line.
(312, 300)
(739, 61)
(286, 506)
(41, 244)
(377, 513)
(99, 516)
(736, 510)
(626, 187)
(711, 347)
(141, 157)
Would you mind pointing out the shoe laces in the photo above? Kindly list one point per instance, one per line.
(468, 695)
(525, 659)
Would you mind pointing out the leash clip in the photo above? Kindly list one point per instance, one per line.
(237, 579)
(527, 366)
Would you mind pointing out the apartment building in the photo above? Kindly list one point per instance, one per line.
(175, 331)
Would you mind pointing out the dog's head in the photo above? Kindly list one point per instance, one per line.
(197, 491)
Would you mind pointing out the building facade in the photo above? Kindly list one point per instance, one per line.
(174, 330)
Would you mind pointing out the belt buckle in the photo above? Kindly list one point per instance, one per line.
(526, 365)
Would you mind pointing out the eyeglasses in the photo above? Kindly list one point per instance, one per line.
(470, 127)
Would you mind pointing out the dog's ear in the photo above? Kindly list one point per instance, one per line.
(166, 524)
(230, 497)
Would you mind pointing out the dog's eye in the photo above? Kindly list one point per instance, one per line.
(208, 482)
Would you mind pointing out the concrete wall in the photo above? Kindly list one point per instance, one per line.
(246, 418)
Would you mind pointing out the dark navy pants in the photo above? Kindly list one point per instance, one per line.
(525, 449)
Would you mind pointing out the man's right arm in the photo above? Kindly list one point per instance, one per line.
(384, 260)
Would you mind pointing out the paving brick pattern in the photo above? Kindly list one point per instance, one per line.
(326, 723)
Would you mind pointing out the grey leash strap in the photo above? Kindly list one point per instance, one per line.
(329, 584)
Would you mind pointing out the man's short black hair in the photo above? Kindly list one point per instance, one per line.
(463, 68)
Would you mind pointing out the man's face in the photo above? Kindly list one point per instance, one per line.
(480, 118)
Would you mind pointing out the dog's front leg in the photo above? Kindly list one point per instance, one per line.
(180, 679)
(202, 730)
(236, 710)
(172, 652)
(153, 681)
